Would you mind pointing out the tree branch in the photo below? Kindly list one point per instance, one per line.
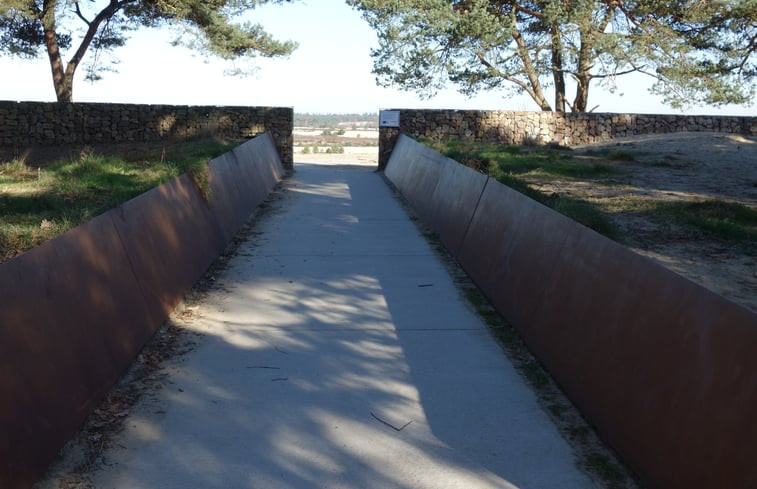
(520, 8)
(752, 49)
(113, 7)
(525, 86)
(77, 9)
(609, 15)
(621, 6)
(609, 75)
(530, 71)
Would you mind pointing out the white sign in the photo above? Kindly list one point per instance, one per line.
(389, 118)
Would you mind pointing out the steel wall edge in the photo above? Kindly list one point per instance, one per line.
(663, 367)
(76, 310)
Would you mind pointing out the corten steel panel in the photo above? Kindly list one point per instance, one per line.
(428, 173)
(264, 146)
(252, 181)
(664, 368)
(259, 169)
(453, 203)
(443, 192)
(420, 180)
(401, 159)
(251, 171)
(510, 248)
(171, 237)
(228, 201)
(72, 317)
(262, 153)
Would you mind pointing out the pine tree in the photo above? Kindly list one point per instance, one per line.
(698, 52)
(30, 27)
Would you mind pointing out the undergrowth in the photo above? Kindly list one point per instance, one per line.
(517, 167)
(37, 204)
(729, 221)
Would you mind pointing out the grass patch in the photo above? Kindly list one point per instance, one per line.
(728, 221)
(663, 164)
(612, 473)
(514, 167)
(535, 374)
(37, 204)
(611, 154)
(496, 160)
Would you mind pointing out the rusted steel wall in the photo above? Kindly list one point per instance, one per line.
(443, 192)
(662, 367)
(76, 310)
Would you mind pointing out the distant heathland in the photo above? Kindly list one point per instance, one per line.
(335, 120)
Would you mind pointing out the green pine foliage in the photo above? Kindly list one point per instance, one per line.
(72, 28)
(698, 52)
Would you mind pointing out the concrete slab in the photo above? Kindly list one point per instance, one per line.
(338, 353)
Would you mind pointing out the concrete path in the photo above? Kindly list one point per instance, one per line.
(339, 354)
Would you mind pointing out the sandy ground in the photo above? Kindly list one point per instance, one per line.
(690, 167)
(364, 133)
(353, 156)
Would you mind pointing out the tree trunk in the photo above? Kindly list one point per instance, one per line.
(557, 73)
(533, 78)
(582, 94)
(583, 76)
(63, 78)
(61, 81)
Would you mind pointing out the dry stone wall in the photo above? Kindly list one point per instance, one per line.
(566, 129)
(26, 124)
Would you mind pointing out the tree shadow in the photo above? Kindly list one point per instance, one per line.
(338, 354)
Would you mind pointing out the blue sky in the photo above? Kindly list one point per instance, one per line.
(329, 72)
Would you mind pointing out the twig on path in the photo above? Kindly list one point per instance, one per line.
(263, 366)
(391, 425)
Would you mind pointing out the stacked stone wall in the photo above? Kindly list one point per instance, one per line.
(28, 124)
(565, 129)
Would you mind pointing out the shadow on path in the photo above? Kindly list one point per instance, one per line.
(338, 353)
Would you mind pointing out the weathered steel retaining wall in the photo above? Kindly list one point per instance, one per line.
(662, 367)
(25, 124)
(76, 310)
(567, 129)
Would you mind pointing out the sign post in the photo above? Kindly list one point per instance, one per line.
(389, 118)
